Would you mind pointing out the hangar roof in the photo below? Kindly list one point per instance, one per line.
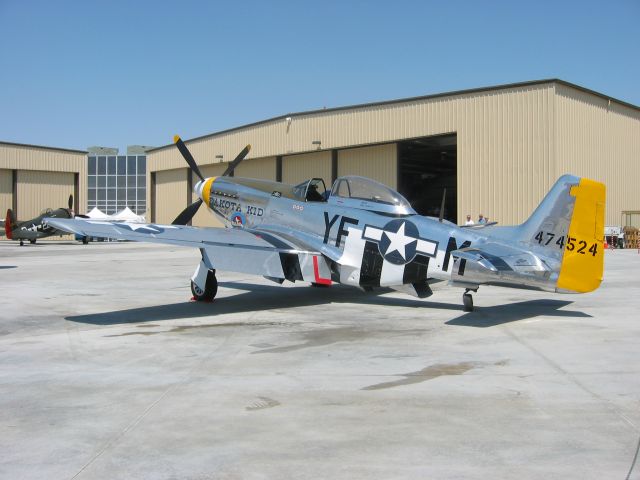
(405, 100)
(11, 144)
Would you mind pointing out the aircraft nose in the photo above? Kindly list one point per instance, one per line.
(203, 189)
(197, 188)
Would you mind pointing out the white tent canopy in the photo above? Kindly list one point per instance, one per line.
(125, 215)
(97, 214)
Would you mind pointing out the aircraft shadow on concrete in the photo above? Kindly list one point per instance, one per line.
(483, 317)
(267, 297)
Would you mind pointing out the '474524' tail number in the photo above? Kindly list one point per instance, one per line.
(572, 243)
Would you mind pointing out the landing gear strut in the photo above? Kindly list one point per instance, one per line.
(467, 301)
(209, 292)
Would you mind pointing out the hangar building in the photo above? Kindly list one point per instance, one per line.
(34, 177)
(497, 150)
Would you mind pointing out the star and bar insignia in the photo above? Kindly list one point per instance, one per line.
(399, 241)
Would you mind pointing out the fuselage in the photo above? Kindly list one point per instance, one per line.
(36, 228)
(375, 244)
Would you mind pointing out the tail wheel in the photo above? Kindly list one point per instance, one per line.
(467, 300)
(210, 289)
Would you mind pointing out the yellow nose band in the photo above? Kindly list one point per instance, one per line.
(206, 190)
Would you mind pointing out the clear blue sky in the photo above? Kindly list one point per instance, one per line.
(115, 73)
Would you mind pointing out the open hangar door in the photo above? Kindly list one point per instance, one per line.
(426, 166)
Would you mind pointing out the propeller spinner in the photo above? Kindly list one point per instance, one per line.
(188, 213)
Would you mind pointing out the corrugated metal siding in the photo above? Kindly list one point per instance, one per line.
(171, 194)
(504, 137)
(40, 190)
(46, 160)
(297, 168)
(264, 168)
(513, 143)
(504, 153)
(377, 162)
(6, 191)
(600, 141)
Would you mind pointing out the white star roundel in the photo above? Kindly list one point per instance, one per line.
(399, 241)
(142, 227)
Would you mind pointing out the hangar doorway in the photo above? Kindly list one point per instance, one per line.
(426, 166)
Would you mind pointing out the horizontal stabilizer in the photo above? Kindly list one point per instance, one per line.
(499, 264)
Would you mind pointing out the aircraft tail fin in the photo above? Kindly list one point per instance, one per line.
(569, 224)
(9, 223)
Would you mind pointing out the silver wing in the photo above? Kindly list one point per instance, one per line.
(237, 250)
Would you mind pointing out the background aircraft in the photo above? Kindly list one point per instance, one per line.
(365, 234)
(35, 228)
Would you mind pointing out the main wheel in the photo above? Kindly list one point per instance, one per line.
(467, 300)
(32, 241)
(22, 243)
(85, 240)
(210, 289)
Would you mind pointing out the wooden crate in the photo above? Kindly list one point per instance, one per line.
(631, 237)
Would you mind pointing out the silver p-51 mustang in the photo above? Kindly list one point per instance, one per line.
(364, 234)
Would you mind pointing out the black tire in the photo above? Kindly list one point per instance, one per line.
(22, 243)
(467, 300)
(210, 289)
(85, 240)
(32, 241)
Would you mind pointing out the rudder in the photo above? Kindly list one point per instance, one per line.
(582, 265)
(9, 224)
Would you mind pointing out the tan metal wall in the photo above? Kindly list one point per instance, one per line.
(6, 191)
(297, 168)
(513, 143)
(504, 136)
(264, 168)
(378, 162)
(42, 159)
(600, 140)
(171, 194)
(40, 190)
(504, 153)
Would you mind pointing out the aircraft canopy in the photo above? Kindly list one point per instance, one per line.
(362, 188)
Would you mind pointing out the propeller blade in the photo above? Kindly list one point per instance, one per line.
(232, 166)
(187, 214)
(70, 201)
(187, 156)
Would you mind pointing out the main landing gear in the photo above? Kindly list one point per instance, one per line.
(208, 293)
(467, 301)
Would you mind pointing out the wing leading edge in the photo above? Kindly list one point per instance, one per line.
(236, 250)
